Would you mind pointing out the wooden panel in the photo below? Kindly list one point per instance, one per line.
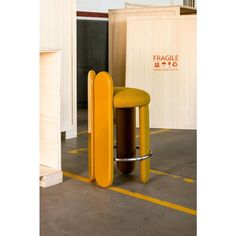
(58, 31)
(172, 88)
(50, 139)
(117, 36)
(50, 176)
(184, 3)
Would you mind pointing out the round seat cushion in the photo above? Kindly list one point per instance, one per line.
(129, 97)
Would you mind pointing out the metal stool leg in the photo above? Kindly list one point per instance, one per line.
(144, 142)
(125, 138)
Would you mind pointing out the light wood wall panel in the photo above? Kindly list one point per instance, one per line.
(58, 31)
(185, 3)
(172, 90)
(50, 138)
(117, 35)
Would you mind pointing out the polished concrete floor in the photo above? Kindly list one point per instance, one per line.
(163, 207)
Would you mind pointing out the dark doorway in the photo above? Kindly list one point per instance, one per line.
(92, 53)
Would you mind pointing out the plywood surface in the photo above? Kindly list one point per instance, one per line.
(50, 176)
(172, 89)
(58, 30)
(50, 139)
(117, 35)
(133, 5)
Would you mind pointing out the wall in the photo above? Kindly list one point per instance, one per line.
(104, 5)
(99, 6)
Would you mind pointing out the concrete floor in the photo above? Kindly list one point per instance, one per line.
(78, 208)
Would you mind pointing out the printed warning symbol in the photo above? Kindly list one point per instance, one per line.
(166, 62)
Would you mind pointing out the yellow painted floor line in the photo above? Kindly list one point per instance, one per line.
(159, 131)
(82, 132)
(154, 200)
(137, 195)
(76, 151)
(77, 177)
(151, 133)
(187, 180)
(156, 132)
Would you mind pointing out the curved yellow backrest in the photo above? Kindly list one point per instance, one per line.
(103, 129)
(100, 125)
(91, 77)
(90, 82)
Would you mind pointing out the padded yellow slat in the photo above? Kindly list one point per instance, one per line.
(103, 129)
(144, 143)
(91, 77)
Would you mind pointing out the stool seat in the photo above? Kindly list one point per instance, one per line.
(129, 97)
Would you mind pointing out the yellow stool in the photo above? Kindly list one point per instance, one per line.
(101, 101)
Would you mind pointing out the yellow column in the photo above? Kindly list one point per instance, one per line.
(144, 142)
(103, 129)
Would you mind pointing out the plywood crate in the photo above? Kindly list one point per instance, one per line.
(58, 31)
(190, 3)
(117, 34)
(50, 138)
(161, 59)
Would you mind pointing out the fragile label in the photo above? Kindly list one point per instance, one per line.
(166, 62)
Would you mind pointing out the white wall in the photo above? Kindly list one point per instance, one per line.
(99, 5)
(104, 5)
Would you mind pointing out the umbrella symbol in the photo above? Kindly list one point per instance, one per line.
(163, 63)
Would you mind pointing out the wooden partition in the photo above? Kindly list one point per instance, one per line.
(50, 137)
(185, 3)
(58, 31)
(117, 34)
(161, 59)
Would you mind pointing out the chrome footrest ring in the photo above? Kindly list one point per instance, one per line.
(135, 158)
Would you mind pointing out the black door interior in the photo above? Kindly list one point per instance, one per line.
(92, 53)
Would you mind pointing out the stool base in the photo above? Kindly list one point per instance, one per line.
(125, 138)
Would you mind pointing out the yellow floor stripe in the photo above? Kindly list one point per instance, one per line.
(77, 177)
(137, 195)
(76, 151)
(159, 131)
(154, 200)
(187, 180)
(156, 132)
(151, 133)
(82, 132)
